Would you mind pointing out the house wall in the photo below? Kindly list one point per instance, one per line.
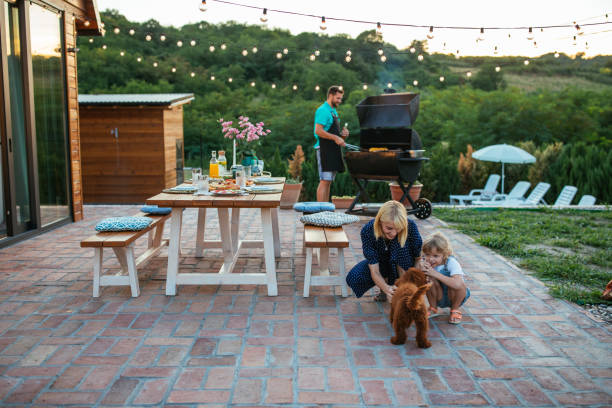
(173, 131)
(128, 168)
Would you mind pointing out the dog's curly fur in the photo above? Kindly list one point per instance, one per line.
(408, 305)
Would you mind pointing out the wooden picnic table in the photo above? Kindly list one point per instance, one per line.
(229, 227)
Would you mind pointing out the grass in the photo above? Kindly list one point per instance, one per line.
(569, 250)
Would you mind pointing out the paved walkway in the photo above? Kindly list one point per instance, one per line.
(233, 345)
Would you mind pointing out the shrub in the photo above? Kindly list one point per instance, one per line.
(439, 175)
(277, 165)
(472, 174)
(295, 163)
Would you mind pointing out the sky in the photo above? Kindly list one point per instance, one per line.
(593, 41)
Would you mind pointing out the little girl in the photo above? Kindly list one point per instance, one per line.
(442, 268)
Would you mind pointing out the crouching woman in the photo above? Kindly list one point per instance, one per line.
(391, 244)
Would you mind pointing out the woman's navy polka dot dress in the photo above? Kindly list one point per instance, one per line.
(388, 254)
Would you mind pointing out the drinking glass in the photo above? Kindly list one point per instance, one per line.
(240, 179)
(202, 183)
(195, 172)
(247, 173)
(260, 166)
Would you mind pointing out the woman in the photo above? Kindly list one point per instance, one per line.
(391, 244)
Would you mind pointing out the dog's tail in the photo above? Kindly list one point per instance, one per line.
(412, 302)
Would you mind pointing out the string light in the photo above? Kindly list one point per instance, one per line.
(526, 62)
(481, 36)
(192, 43)
(211, 48)
(415, 83)
(264, 16)
(212, 77)
(312, 57)
(253, 84)
(192, 74)
(347, 58)
(203, 7)
(155, 64)
(389, 84)
(457, 55)
(580, 32)
(104, 46)
(349, 53)
(273, 86)
(317, 88)
(495, 50)
(230, 79)
(116, 30)
(279, 55)
(530, 34)
(323, 25)
(162, 37)
(139, 59)
(497, 69)
(179, 43)
(285, 51)
(223, 46)
(468, 74)
(86, 23)
(412, 50)
(420, 57)
(317, 53)
(173, 69)
(245, 52)
(556, 54)
(574, 41)
(148, 37)
(365, 87)
(383, 58)
(132, 32)
(441, 79)
(341, 88)
(294, 87)
(91, 40)
(381, 51)
(254, 50)
(378, 29)
(430, 35)
(122, 53)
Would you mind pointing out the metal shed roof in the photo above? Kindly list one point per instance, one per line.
(172, 99)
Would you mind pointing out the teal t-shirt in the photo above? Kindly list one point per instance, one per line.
(323, 116)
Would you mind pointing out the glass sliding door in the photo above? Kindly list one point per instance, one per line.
(18, 144)
(50, 113)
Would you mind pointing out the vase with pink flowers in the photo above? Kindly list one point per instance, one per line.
(246, 137)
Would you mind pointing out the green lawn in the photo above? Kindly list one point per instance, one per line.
(569, 250)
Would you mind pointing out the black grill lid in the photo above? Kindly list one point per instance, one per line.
(398, 110)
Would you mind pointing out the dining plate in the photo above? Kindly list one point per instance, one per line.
(181, 190)
(268, 180)
(227, 192)
(264, 190)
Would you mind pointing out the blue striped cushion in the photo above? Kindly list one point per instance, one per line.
(153, 209)
(123, 224)
(313, 206)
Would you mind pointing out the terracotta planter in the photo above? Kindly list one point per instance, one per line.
(342, 203)
(290, 196)
(396, 192)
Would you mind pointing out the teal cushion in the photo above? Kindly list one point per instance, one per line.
(153, 209)
(123, 224)
(328, 219)
(313, 207)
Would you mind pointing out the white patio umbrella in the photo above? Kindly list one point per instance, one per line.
(503, 153)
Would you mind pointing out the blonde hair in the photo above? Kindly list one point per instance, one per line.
(393, 212)
(439, 243)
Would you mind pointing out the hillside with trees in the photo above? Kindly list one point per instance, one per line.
(560, 109)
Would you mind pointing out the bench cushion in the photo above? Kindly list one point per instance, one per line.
(153, 209)
(313, 207)
(328, 219)
(123, 224)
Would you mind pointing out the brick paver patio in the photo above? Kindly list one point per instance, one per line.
(233, 345)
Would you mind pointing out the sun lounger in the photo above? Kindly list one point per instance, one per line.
(534, 198)
(566, 196)
(486, 193)
(517, 193)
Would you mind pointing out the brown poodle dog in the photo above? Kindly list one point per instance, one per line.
(408, 305)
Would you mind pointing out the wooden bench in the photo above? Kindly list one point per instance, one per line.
(122, 244)
(324, 238)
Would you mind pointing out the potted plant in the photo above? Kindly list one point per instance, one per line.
(414, 192)
(293, 185)
(342, 202)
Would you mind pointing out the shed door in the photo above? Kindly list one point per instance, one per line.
(179, 161)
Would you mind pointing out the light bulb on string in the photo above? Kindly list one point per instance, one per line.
(264, 16)
(179, 43)
(347, 58)
(162, 37)
(380, 51)
(122, 53)
(530, 34)
(211, 48)
(104, 46)
(173, 69)
(192, 74)
(341, 88)
(200, 26)
(383, 58)
(526, 62)
(116, 30)
(253, 84)
(586, 45)
(574, 42)
(457, 55)
(203, 6)
(317, 88)
(389, 84)
(254, 50)
(497, 68)
(192, 43)
(155, 64)
(285, 51)
(444, 46)
(273, 86)
(578, 29)
(415, 83)
(212, 78)
(349, 53)
(230, 79)
(132, 31)
(148, 37)
(365, 87)
(279, 55)
(481, 35)
(139, 59)
(420, 57)
(441, 79)
(535, 44)
(312, 57)
(86, 23)
(91, 40)
(412, 50)
(495, 50)
(223, 46)
(323, 25)
(556, 54)
(294, 87)
(430, 34)
(378, 29)
(468, 74)
(317, 53)
(245, 52)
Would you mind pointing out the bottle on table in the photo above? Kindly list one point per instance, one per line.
(222, 163)
(213, 167)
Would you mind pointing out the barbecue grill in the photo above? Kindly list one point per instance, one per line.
(386, 122)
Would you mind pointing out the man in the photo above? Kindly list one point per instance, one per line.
(329, 139)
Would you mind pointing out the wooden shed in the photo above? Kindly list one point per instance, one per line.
(131, 145)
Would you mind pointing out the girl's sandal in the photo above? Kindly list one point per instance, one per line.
(432, 312)
(455, 317)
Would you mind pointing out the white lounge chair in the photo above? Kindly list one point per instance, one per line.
(566, 196)
(534, 198)
(517, 193)
(485, 193)
(586, 200)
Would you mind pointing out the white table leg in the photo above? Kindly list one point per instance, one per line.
(268, 238)
(235, 229)
(176, 221)
(277, 248)
(97, 270)
(342, 271)
(200, 232)
(131, 264)
(307, 272)
(226, 239)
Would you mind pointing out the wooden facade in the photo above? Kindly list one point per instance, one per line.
(130, 151)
